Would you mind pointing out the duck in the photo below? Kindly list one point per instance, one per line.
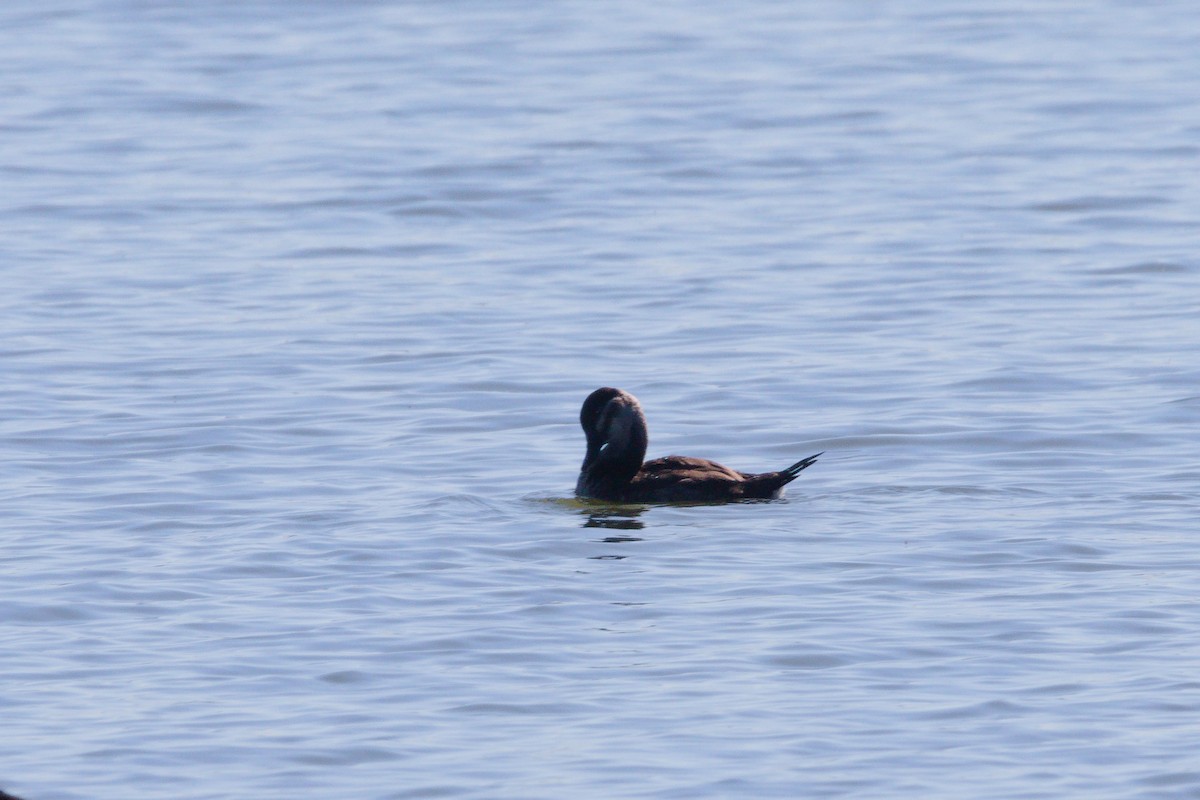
(613, 469)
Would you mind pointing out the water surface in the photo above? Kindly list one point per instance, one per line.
(300, 300)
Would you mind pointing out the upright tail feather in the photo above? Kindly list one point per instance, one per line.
(795, 469)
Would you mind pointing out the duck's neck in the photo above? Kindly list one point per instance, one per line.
(613, 459)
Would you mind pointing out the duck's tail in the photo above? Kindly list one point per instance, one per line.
(791, 472)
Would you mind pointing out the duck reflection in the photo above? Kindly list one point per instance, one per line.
(624, 520)
(617, 522)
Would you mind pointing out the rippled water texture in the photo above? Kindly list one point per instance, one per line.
(299, 302)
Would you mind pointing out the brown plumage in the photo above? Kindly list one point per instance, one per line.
(612, 469)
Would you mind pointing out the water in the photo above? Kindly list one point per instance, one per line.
(300, 300)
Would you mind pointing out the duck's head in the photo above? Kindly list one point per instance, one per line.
(615, 428)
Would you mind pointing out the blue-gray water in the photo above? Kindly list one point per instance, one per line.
(299, 301)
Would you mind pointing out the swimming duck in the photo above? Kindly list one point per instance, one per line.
(613, 470)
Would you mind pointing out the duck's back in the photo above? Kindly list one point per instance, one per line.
(677, 479)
